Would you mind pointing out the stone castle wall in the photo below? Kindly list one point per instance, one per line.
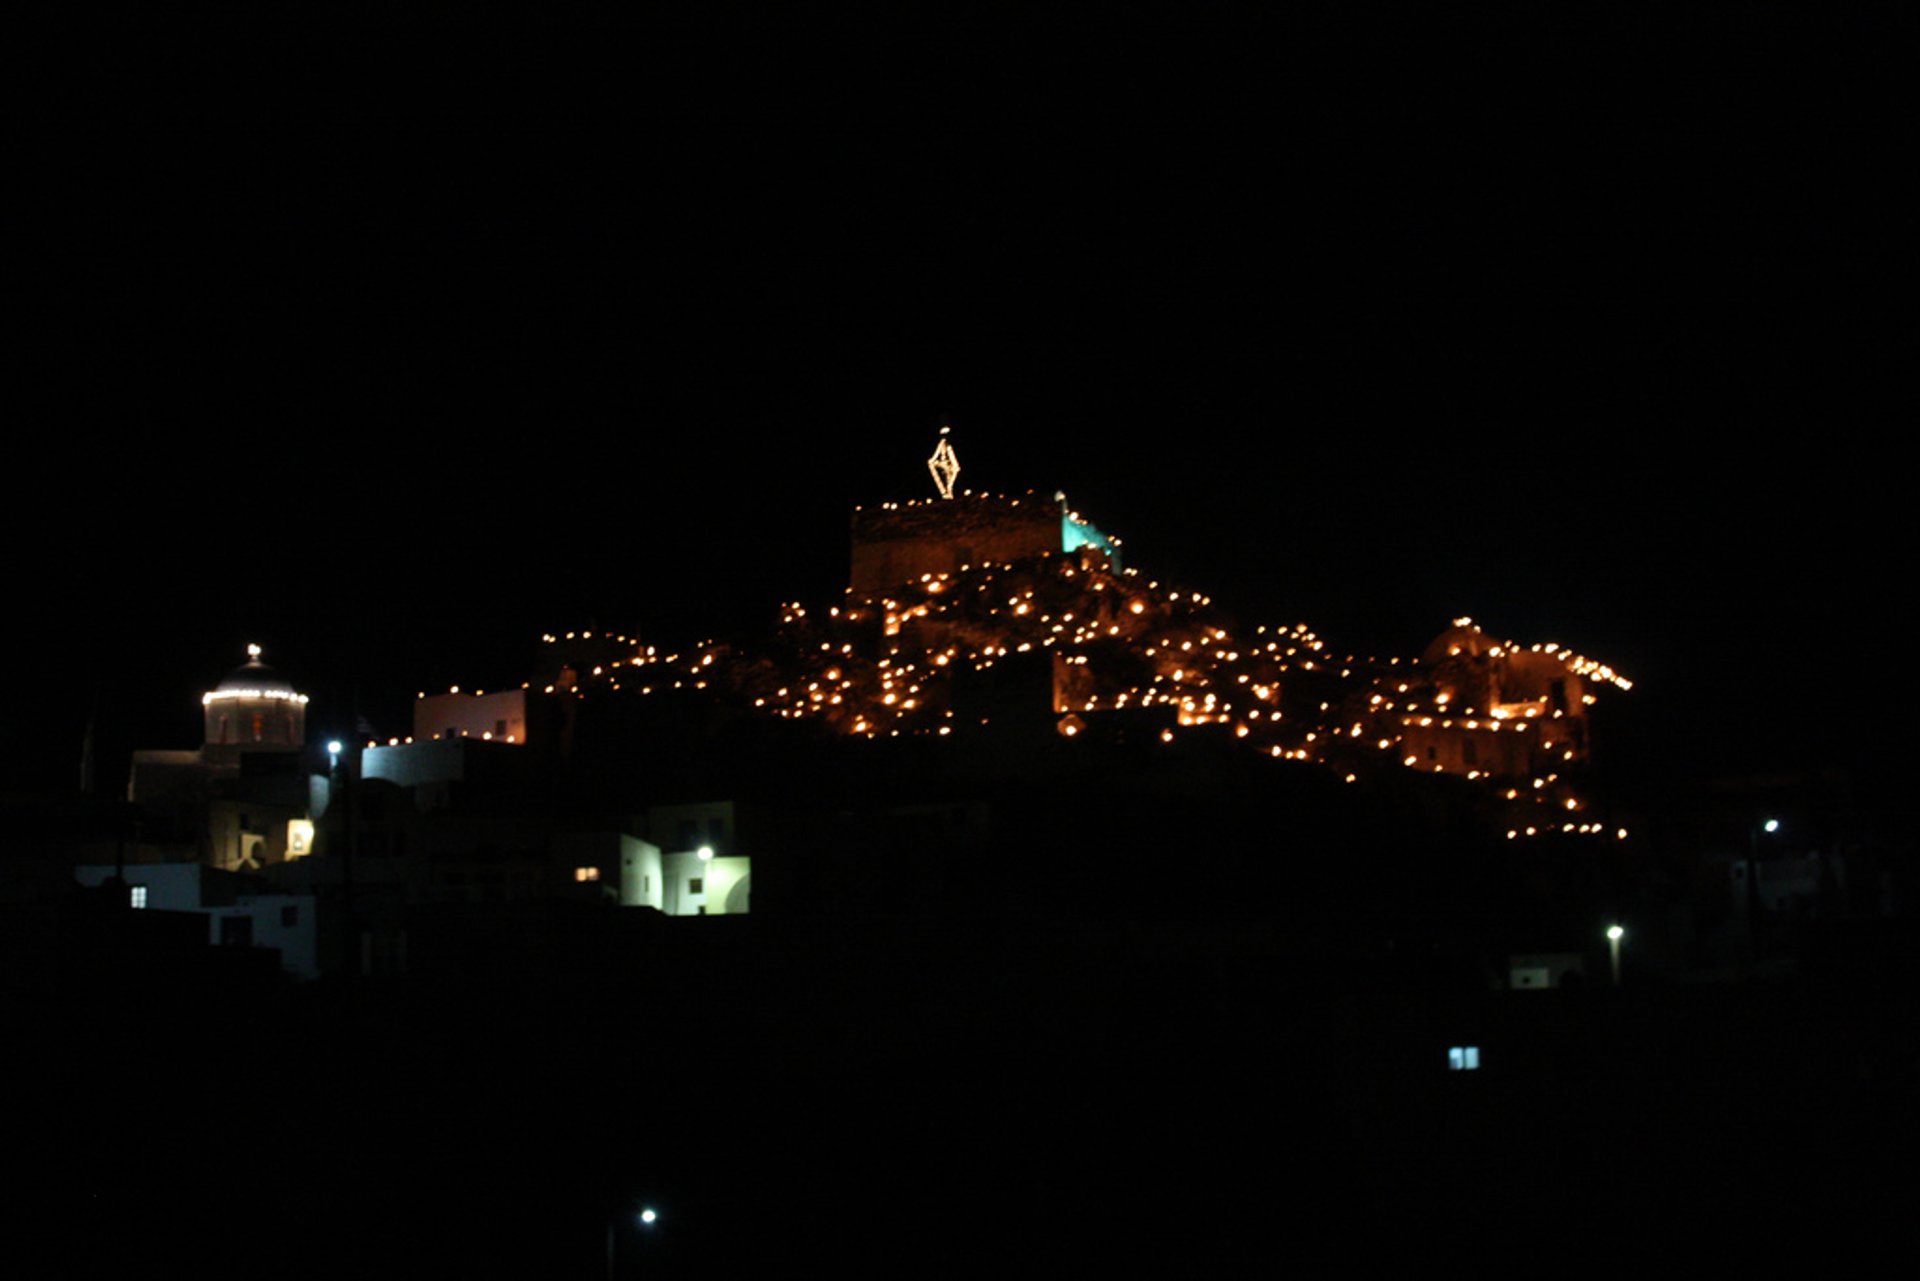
(898, 544)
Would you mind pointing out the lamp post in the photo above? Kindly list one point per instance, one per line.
(706, 878)
(647, 1217)
(1614, 935)
(1767, 827)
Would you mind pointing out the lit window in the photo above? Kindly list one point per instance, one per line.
(584, 874)
(1463, 1058)
(137, 895)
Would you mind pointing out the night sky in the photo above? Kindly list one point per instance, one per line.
(1595, 329)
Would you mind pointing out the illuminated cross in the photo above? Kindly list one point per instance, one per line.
(944, 465)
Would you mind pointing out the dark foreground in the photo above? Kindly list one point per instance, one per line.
(889, 1099)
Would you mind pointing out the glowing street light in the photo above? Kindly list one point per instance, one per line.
(646, 1217)
(1614, 935)
(334, 748)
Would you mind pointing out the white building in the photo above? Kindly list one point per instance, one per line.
(238, 915)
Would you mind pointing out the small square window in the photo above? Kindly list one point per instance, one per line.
(696, 886)
(1463, 1058)
(290, 915)
(137, 895)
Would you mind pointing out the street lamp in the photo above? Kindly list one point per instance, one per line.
(1768, 827)
(334, 748)
(1614, 935)
(706, 877)
(647, 1218)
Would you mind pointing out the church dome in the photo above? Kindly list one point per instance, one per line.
(254, 679)
(254, 676)
(253, 708)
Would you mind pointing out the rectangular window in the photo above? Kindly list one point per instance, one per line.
(290, 915)
(1463, 1058)
(584, 874)
(137, 895)
(696, 886)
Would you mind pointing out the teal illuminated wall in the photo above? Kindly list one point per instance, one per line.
(1077, 533)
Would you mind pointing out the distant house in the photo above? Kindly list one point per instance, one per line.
(241, 910)
(692, 866)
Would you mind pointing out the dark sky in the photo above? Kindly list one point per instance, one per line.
(392, 354)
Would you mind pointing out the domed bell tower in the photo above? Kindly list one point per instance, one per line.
(253, 710)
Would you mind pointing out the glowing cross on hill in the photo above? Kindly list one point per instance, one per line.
(944, 465)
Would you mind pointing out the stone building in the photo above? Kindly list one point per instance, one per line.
(245, 798)
(903, 542)
(1481, 707)
(253, 710)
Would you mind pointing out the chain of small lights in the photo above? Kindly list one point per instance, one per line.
(881, 665)
(945, 465)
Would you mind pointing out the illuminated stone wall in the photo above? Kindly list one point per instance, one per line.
(898, 543)
(1483, 708)
(500, 717)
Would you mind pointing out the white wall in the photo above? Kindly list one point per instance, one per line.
(500, 717)
(719, 877)
(641, 875)
(176, 887)
(171, 887)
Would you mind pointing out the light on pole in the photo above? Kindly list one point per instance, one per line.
(706, 878)
(647, 1218)
(1614, 935)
